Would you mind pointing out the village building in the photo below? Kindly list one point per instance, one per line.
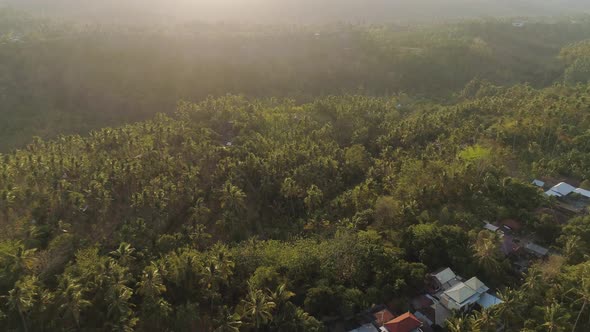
(404, 323)
(451, 294)
(491, 228)
(561, 189)
(536, 250)
(384, 321)
(571, 200)
(383, 316)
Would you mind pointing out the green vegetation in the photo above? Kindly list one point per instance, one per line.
(312, 211)
(322, 176)
(69, 79)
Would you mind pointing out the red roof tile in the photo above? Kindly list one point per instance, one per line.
(383, 317)
(404, 323)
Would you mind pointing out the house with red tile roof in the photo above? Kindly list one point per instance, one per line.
(404, 323)
(382, 317)
(385, 321)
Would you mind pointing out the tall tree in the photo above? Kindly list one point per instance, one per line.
(257, 308)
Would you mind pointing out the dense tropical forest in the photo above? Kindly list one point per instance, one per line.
(61, 78)
(212, 177)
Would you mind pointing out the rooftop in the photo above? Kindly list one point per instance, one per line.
(382, 317)
(536, 249)
(561, 189)
(460, 293)
(445, 275)
(404, 323)
(583, 192)
(491, 227)
(477, 285)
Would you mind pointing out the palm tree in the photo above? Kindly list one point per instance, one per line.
(120, 312)
(571, 247)
(72, 298)
(232, 203)
(151, 284)
(219, 266)
(232, 198)
(231, 323)
(486, 251)
(23, 297)
(258, 308)
(583, 294)
(534, 280)
(124, 253)
(555, 318)
(281, 295)
(458, 324)
(199, 212)
(482, 321)
(21, 259)
(510, 306)
(284, 311)
(150, 287)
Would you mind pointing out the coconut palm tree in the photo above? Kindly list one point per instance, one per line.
(555, 318)
(151, 284)
(219, 267)
(533, 281)
(280, 295)
(570, 247)
(71, 296)
(583, 296)
(150, 287)
(21, 259)
(457, 324)
(230, 323)
(124, 253)
(509, 308)
(232, 198)
(258, 308)
(23, 297)
(481, 321)
(486, 251)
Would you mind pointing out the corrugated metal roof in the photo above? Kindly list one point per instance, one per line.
(491, 227)
(460, 293)
(477, 285)
(583, 192)
(560, 190)
(537, 249)
(445, 275)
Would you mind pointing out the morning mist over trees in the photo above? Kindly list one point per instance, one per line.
(258, 165)
(299, 11)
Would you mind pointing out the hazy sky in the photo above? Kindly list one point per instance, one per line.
(299, 11)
